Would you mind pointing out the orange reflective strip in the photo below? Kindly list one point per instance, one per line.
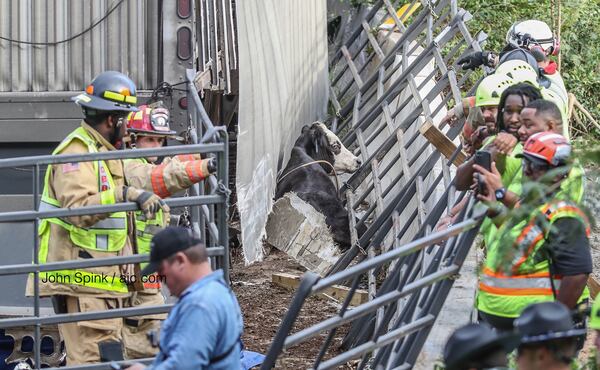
(194, 170)
(152, 285)
(574, 210)
(186, 157)
(531, 246)
(489, 272)
(513, 291)
(158, 182)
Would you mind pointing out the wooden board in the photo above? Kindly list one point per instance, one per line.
(338, 292)
(442, 143)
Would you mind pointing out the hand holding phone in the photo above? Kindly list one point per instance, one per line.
(483, 158)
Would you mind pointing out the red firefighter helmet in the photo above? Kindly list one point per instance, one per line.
(150, 121)
(548, 148)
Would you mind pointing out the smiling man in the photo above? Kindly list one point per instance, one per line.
(539, 254)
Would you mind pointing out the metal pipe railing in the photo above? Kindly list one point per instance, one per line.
(115, 154)
(216, 201)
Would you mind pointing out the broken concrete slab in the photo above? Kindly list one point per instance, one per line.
(298, 229)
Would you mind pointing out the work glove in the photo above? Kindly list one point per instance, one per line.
(478, 58)
(211, 166)
(148, 202)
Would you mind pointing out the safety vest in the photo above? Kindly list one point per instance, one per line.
(145, 230)
(511, 175)
(107, 235)
(525, 277)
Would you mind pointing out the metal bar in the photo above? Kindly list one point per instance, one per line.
(84, 316)
(37, 341)
(357, 31)
(18, 216)
(223, 209)
(381, 341)
(208, 125)
(353, 69)
(409, 248)
(370, 306)
(303, 291)
(114, 154)
(104, 365)
(27, 268)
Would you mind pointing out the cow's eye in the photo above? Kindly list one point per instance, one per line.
(335, 146)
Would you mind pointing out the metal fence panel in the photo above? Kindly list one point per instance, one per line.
(209, 218)
(394, 74)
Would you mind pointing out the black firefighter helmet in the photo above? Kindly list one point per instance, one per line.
(110, 91)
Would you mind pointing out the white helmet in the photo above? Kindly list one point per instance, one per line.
(22, 366)
(533, 33)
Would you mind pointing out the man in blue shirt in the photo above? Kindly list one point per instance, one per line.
(204, 327)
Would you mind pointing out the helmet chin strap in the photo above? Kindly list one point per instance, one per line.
(115, 140)
(132, 140)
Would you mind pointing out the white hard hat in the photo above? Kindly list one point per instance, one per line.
(532, 33)
(22, 366)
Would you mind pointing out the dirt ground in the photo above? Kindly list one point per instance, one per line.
(264, 305)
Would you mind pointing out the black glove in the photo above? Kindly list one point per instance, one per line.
(212, 165)
(476, 59)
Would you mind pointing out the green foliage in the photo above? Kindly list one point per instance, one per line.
(580, 42)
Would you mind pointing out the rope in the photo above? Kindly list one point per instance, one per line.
(337, 183)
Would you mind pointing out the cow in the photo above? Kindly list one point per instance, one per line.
(312, 182)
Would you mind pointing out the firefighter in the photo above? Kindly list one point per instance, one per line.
(106, 103)
(150, 128)
(540, 253)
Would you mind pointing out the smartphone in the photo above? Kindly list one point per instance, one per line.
(483, 158)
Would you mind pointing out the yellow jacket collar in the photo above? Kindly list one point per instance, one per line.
(97, 136)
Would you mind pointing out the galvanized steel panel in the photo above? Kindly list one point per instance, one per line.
(127, 41)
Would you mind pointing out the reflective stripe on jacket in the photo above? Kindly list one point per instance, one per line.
(516, 273)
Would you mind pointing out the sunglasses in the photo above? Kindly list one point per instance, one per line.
(535, 166)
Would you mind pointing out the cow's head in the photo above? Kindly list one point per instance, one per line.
(322, 144)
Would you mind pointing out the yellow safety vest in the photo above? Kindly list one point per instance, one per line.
(145, 230)
(108, 235)
(528, 280)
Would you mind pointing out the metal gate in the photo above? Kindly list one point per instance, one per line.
(208, 213)
(392, 78)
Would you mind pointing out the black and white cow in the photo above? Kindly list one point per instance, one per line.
(312, 183)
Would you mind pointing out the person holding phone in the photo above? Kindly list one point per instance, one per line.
(541, 250)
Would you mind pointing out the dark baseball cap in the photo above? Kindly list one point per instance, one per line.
(166, 243)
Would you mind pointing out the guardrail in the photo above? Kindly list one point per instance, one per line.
(209, 220)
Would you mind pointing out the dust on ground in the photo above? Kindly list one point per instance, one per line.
(265, 304)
